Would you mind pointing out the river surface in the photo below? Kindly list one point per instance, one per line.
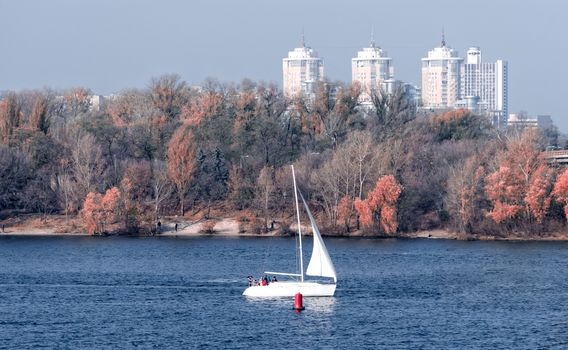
(110, 293)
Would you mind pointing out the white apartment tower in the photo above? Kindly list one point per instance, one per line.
(441, 77)
(371, 68)
(486, 81)
(302, 69)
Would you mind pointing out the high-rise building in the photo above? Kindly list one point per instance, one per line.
(372, 67)
(302, 70)
(441, 77)
(488, 82)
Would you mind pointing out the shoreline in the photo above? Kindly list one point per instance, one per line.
(58, 226)
(419, 235)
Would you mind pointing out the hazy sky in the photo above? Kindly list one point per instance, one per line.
(110, 45)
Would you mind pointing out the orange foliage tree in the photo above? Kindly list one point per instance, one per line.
(364, 211)
(99, 210)
(92, 215)
(521, 184)
(204, 106)
(181, 162)
(560, 191)
(381, 201)
(538, 196)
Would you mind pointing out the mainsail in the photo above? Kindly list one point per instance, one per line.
(320, 262)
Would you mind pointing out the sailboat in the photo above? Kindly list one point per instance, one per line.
(320, 265)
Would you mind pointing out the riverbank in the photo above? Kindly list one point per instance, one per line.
(59, 225)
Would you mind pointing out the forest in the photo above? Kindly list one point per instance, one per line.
(171, 150)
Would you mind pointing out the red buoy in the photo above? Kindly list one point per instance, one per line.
(298, 305)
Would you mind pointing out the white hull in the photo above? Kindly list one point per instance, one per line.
(289, 289)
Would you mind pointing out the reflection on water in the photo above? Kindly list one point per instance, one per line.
(320, 305)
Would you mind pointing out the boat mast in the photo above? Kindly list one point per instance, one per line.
(299, 227)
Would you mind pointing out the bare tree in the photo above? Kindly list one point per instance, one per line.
(87, 163)
(161, 186)
(64, 187)
(265, 190)
(391, 111)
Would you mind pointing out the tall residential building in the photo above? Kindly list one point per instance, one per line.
(441, 77)
(302, 69)
(371, 68)
(488, 82)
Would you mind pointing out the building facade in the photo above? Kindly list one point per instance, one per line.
(488, 82)
(302, 70)
(371, 68)
(441, 79)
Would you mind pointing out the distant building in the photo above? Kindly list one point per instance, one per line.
(97, 102)
(522, 120)
(302, 70)
(544, 121)
(371, 68)
(414, 93)
(488, 82)
(441, 77)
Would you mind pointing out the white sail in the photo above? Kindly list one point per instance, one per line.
(320, 265)
(320, 262)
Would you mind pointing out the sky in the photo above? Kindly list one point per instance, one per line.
(111, 45)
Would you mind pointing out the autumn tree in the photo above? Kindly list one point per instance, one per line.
(136, 189)
(10, 116)
(560, 191)
(344, 211)
(381, 204)
(168, 94)
(202, 107)
(99, 210)
(92, 212)
(181, 162)
(459, 124)
(77, 101)
(364, 211)
(328, 114)
(348, 172)
(383, 201)
(520, 186)
(40, 118)
(538, 196)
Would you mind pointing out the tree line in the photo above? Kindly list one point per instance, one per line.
(170, 148)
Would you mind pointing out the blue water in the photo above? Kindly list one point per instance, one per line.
(109, 293)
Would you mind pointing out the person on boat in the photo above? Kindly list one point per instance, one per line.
(265, 281)
(274, 279)
(250, 280)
